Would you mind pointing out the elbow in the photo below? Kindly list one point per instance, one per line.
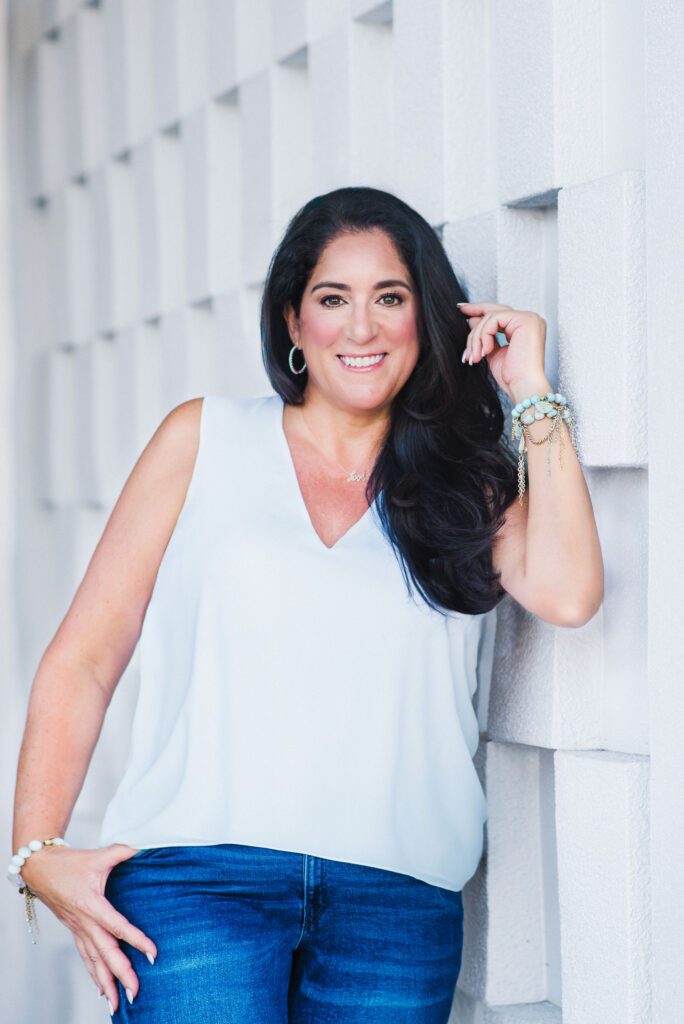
(572, 615)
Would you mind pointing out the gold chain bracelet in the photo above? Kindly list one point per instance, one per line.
(521, 430)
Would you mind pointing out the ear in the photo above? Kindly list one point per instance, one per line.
(292, 323)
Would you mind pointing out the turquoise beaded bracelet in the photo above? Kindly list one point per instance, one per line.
(553, 406)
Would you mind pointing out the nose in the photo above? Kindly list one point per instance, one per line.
(360, 327)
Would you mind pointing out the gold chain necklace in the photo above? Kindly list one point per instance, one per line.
(353, 477)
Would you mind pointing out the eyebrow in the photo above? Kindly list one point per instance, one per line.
(345, 287)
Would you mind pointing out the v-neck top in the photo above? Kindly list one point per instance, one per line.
(296, 696)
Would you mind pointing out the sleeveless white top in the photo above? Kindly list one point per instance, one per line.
(295, 696)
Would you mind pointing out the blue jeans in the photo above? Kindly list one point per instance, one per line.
(251, 935)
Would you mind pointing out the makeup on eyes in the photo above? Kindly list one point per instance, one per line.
(387, 295)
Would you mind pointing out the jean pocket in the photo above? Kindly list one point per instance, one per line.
(142, 853)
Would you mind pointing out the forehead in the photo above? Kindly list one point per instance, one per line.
(356, 249)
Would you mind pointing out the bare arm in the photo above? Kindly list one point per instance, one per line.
(548, 550)
(72, 689)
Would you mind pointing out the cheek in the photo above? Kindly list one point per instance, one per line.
(405, 332)
(317, 329)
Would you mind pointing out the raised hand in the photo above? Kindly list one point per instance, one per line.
(515, 366)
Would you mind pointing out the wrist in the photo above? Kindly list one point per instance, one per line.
(20, 860)
(537, 385)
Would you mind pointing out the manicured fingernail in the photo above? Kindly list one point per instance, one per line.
(461, 303)
(129, 995)
(110, 1008)
(150, 957)
(470, 361)
(463, 357)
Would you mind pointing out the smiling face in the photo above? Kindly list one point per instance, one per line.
(357, 323)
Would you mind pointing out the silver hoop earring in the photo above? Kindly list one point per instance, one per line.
(290, 360)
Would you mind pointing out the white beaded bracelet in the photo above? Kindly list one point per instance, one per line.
(23, 854)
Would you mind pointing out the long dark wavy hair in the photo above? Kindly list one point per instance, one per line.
(444, 475)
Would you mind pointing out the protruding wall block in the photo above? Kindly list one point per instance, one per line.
(524, 1013)
(118, 246)
(602, 820)
(57, 428)
(516, 936)
(275, 150)
(51, 115)
(222, 47)
(239, 367)
(118, 109)
(290, 28)
(253, 37)
(160, 231)
(211, 157)
(471, 246)
(77, 240)
(602, 316)
(546, 681)
(139, 34)
(92, 43)
(569, 92)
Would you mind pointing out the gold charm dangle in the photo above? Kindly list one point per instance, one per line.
(31, 917)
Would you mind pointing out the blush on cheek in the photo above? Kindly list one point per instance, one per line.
(318, 329)
(405, 333)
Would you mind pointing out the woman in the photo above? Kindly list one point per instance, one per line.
(300, 809)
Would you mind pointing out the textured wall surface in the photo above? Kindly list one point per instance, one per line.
(158, 148)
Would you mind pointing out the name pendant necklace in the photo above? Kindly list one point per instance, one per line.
(352, 477)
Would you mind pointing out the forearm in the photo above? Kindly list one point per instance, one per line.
(65, 715)
(562, 554)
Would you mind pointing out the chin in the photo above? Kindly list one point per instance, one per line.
(366, 398)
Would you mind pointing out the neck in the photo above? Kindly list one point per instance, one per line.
(345, 431)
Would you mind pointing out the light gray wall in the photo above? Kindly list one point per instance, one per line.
(158, 147)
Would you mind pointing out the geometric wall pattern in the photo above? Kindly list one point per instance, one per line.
(158, 148)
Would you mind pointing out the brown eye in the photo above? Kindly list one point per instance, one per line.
(331, 301)
(394, 296)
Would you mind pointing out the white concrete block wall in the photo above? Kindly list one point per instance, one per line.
(570, 95)
(253, 27)
(291, 133)
(524, 1013)
(211, 178)
(516, 932)
(139, 25)
(290, 28)
(602, 819)
(664, 26)
(373, 127)
(602, 314)
(222, 48)
(419, 103)
(118, 77)
(157, 151)
(532, 699)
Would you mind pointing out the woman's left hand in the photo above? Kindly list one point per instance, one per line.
(512, 365)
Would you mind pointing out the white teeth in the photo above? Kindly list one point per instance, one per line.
(362, 360)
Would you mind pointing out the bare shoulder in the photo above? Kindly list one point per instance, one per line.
(176, 440)
(155, 491)
(106, 615)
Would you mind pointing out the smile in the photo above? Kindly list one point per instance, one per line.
(359, 362)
